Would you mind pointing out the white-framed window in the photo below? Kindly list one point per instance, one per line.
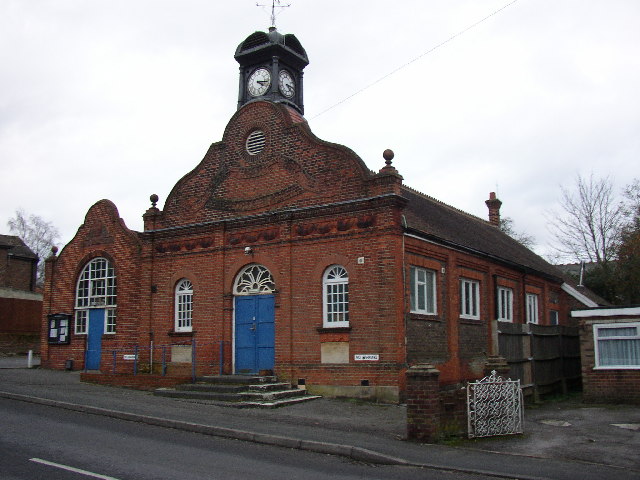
(81, 322)
(505, 304)
(532, 308)
(469, 299)
(183, 305)
(617, 345)
(335, 293)
(96, 288)
(254, 279)
(96, 285)
(110, 321)
(553, 317)
(423, 290)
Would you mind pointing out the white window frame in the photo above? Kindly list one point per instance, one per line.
(81, 321)
(469, 299)
(504, 304)
(426, 287)
(335, 297)
(532, 308)
(598, 342)
(554, 317)
(183, 306)
(254, 279)
(110, 321)
(96, 288)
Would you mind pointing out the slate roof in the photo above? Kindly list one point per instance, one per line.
(16, 246)
(439, 222)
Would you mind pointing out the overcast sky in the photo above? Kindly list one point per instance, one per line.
(119, 99)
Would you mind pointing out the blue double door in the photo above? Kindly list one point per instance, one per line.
(254, 333)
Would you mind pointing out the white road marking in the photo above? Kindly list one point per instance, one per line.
(628, 426)
(71, 469)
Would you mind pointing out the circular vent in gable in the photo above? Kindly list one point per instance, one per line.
(255, 142)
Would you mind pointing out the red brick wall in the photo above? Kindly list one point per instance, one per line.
(459, 347)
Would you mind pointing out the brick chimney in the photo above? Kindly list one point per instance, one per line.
(494, 209)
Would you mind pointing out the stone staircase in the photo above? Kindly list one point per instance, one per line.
(240, 391)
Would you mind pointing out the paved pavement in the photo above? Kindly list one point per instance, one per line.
(562, 440)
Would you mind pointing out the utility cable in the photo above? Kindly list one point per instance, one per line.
(375, 82)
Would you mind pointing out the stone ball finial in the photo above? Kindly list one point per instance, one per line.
(388, 156)
(54, 250)
(154, 199)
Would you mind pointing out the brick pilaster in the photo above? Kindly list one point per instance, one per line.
(423, 402)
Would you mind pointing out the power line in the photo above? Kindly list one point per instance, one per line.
(375, 82)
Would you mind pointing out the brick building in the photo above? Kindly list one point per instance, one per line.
(20, 304)
(283, 252)
(610, 349)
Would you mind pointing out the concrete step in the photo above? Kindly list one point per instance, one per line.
(207, 387)
(235, 400)
(238, 391)
(236, 379)
(273, 395)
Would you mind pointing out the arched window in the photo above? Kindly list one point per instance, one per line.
(96, 289)
(335, 287)
(183, 305)
(254, 280)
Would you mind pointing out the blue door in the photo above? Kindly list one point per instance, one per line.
(94, 339)
(255, 333)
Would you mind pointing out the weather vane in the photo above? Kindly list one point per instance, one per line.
(274, 4)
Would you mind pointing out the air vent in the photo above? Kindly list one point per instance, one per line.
(293, 43)
(255, 40)
(255, 142)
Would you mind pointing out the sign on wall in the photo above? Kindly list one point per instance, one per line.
(371, 357)
(59, 328)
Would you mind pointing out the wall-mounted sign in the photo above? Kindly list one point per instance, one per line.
(128, 357)
(59, 328)
(371, 357)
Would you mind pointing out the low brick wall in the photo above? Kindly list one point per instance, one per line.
(19, 344)
(433, 412)
(138, 382)
(611, 386)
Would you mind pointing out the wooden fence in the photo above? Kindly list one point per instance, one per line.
(546, 359)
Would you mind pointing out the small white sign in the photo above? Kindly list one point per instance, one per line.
(372, 357)
(128, 357)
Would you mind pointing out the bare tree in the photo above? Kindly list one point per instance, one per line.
(506, 226)
(632, 207)
(589, 226)
(628, 256)
(38, 234)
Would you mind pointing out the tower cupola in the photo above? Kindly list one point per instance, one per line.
(271, 66)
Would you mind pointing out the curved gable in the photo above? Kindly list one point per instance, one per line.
(268, 160)
(102, 228)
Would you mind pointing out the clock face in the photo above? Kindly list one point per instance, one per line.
(286, 84)
(259, 82)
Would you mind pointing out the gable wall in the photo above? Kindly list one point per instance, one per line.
(103, 234)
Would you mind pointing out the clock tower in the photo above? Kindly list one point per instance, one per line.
(271, 67)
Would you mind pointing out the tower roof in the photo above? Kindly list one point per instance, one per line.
(260, 45)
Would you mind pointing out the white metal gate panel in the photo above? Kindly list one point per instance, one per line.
(494, 407)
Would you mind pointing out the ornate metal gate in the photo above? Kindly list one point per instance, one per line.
(494, 407)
